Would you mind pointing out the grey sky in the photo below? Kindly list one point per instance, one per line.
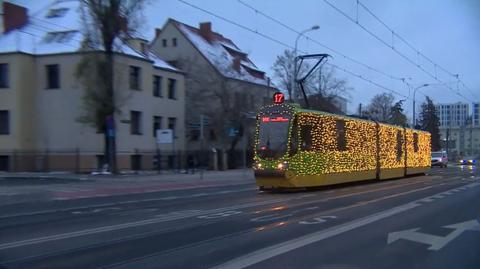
(447, 31)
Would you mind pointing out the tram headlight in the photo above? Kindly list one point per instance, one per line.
(282, 166)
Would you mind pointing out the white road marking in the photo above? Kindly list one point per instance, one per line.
(220, 215)
(317, 220)
(281, 248)
(129, 225)
(278, 249)
(434, 241)
(270, 217)
(170, 198)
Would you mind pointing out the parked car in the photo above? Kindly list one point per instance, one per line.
(470, 160)
(439, 158)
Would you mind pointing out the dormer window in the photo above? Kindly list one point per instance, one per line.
(57, 12)
(59, 37)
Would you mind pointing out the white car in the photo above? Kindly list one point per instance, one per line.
(439, 158)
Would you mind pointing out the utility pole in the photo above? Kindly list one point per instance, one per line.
(414, 92)
(202, 142)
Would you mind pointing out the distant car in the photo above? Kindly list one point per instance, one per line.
(470, 160)
(439, 158)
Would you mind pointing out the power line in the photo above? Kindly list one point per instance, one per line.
(413, 48)
(285, 45)
(368, 80)
(393, 48)
(235, 23)
(319, 43)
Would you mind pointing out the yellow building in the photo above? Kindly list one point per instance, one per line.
(41, 97)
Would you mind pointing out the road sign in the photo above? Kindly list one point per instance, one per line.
(434, 241)
(164, 136)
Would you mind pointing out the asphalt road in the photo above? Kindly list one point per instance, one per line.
(430, 221)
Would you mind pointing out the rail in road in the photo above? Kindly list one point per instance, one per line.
(237, 226)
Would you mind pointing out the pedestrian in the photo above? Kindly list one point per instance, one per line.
(190, 164)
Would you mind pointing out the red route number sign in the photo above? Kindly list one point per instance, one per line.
(278, 98)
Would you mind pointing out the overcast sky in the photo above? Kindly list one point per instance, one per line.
(447, 31)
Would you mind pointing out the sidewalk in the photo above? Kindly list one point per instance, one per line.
(22, 187)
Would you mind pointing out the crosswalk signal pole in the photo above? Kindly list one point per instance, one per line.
(202, 139)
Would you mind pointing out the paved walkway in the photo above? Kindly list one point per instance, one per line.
(22, 187)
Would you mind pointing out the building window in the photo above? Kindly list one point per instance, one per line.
(174, 42)
(53, 76)
(136, 122)
(172, 122)
(135, 78)
(157, 86)
(3, 75)
(172, 84)
(136, 162)
(59, 37)
(157, 124)
(4, 122)
(57, 12)
(164, 42)
(341, 138)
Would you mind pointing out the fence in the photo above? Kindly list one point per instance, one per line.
(87, 161)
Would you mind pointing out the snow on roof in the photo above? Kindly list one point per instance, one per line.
(58, 29)
(217, 53)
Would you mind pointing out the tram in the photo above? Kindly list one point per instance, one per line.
(298, 148)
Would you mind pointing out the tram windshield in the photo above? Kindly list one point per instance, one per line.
(273, 137)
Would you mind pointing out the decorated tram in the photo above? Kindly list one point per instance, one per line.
(297, 148)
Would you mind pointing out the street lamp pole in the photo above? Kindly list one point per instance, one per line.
(414, 92)
(313, 28)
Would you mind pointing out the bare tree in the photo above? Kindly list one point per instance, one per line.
(321, 89)
(222, 100)
(325, 88)
(283, 72)
(105, 22)
(380, 107)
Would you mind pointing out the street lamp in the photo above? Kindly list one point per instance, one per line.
(414, 92)
(313, 28)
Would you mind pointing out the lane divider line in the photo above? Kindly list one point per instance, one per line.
(284, 247)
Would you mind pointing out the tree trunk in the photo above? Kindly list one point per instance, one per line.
(111, 138)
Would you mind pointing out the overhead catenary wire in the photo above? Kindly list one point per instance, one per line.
(285, 45)
(394, 49)
(320, 43)
(394, 33)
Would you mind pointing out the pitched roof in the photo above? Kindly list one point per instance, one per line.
(58, 29)
(223, 54)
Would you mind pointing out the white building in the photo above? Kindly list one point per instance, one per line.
(452, 115)
(222, 82)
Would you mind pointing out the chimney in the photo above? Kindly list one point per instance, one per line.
(236, 64)
(157, 31)
(14, 16)
(206, 31)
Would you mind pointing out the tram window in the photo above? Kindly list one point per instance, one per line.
(294, 139)
(341, 139)
(306, 137)
(415, 142)
(399, 145)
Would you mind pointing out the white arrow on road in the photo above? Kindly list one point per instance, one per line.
(436, 242)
